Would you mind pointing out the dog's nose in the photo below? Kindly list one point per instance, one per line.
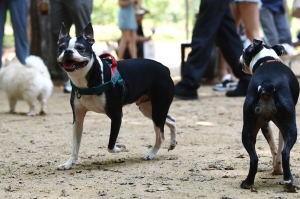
(68, 52)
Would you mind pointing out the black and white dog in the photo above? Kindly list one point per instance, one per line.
(104, 85)
(272, 95)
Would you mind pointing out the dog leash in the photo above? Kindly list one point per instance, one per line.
(99, 89)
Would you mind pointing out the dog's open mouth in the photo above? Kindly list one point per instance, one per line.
(70, 65)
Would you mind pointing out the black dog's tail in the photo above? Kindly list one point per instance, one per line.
(265, 90)
(266, 107)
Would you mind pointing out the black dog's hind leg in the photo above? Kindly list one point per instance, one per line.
(289, 137)
(249, 140)
(160, 106)
(250, 129)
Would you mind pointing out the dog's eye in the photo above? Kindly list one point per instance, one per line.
(79, 48)
(61, 48)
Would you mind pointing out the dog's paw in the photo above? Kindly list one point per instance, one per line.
(172, 145)
(148, 156)
(246, 185)
(66, 165)
(31, 113)
(277, 169)
(117, 149)
(290, 186)
(42, 113)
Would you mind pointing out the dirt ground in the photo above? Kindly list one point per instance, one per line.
(208, 162)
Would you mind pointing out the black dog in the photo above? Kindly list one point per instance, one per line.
(103, 85)
(272, 95)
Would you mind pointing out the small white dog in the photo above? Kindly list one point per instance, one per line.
(31, 82)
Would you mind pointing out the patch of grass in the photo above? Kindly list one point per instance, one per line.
(8, 40)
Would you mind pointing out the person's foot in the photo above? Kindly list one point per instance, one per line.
(184, 93)
(226, 85)
(240, 91)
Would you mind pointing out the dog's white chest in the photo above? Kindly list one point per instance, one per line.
(93, 103)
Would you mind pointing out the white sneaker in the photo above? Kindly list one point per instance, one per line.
(226, 85)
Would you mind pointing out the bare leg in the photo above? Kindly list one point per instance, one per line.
(249, 13)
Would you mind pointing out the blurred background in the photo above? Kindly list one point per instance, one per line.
(172, 20)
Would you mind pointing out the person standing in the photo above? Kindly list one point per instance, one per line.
(77, 12)
(274, 22)
(18, 10)
(128, 25)
(214, 24)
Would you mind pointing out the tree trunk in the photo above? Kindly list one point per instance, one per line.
(40, 38)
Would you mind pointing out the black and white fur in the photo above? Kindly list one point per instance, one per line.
(148, 82)
(272, 95)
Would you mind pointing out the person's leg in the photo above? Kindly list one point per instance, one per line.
(231, 46)
(80, 11)
(283, 28)
(18, 12)
(223, 66)
(235, 14)
(58, 14)
(249, 12)
(123, 43)
(268, 25)
(207, 24)
(3, 10)
(132, 44)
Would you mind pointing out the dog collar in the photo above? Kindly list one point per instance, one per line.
(263, 62)
(273, 60)
(99, 89)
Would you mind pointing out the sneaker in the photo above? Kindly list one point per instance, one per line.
(67, 87)
(226, 85)
(240, 91)
(183, 93)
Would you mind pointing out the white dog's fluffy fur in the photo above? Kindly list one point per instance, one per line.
(31, 82)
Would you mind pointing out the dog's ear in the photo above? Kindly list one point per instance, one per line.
(256, 43)
(279, 49)
(63, 33)
(88, 33)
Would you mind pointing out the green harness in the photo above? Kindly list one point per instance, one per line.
(99, 89)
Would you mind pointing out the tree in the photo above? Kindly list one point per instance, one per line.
(40, 38)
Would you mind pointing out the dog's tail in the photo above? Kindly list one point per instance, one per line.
(266, 90)
(37, 63)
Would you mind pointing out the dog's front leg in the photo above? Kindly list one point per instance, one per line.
(114, 132)
(77, 133)
(267, 132)
(278, 157)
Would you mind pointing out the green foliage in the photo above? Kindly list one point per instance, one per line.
(8, 40)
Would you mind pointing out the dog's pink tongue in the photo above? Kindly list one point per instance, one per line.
(69, 64)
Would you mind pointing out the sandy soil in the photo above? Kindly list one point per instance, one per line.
(208, 162)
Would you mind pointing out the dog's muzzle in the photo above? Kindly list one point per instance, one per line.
(71, 65)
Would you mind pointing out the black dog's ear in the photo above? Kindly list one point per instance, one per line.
(256, 43)
(279, 49)
(88, 33)
(63, 33)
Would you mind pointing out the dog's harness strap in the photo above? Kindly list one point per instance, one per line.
(99, 89)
